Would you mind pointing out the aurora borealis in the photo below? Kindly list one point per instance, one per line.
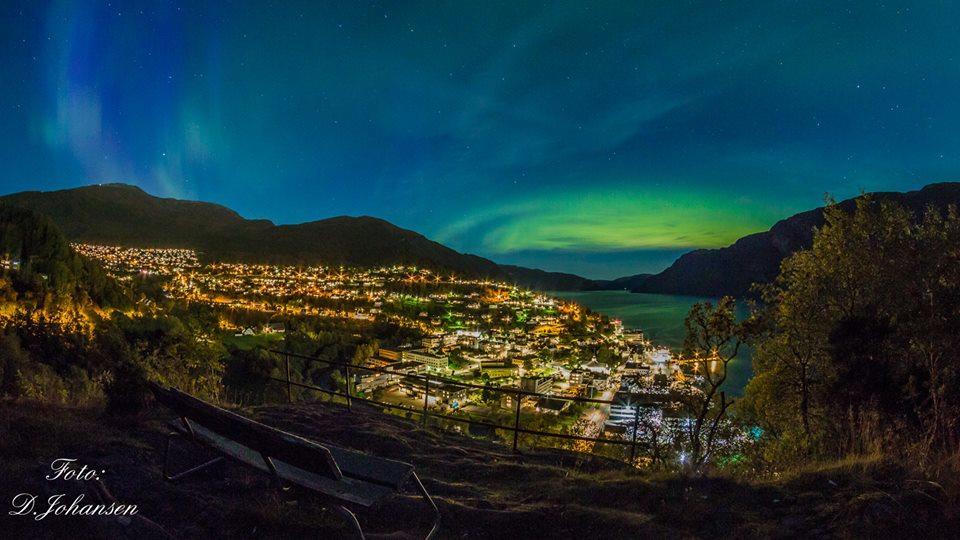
(603, 138)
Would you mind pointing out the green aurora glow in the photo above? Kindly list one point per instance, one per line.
(624, 219)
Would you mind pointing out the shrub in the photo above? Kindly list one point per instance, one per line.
(127, 390)
(12, 361)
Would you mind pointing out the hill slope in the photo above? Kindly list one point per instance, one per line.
(482, 490)
(126, 215)
(756, 258)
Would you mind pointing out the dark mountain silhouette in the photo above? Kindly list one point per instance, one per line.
(121, 214)
(756, 258)
(126, 215)
(546, 281)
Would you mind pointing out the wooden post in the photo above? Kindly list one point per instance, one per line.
(516, 422)
(636, 428)
(286, 361)
(426, 396)
(348, 382)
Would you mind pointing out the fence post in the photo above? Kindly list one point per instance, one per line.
(426, 396)
(636, 428)
(348, 382)
(286, 361)
(516, 422)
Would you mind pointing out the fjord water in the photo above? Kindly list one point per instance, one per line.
(660, 316)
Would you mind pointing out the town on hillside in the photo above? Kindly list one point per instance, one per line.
(489, 336)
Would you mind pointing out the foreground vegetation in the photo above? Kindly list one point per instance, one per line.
(858, 350)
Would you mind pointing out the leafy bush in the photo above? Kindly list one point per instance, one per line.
(127, 390)
(12, 362)
(39, 382)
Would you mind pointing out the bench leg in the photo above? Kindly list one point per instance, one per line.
(351, 519)
(429, 499)
(180, 475)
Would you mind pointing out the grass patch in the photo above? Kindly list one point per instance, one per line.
(259, 341)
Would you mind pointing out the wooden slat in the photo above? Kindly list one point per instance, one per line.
(297, 451)
(345, 489)
(383, 471)
(294, 450)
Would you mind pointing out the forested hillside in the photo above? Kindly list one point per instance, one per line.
(39, 266)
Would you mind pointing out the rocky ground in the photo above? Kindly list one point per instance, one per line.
(483, 490)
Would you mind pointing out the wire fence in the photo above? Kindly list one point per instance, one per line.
(429, 382)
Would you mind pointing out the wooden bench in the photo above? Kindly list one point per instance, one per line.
(341, 475)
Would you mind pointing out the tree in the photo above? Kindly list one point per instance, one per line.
(606, 356)
(127, 389)
(12, 361)
(714, 338)
(789, 351)
(860, 342)
(456, 360)
(168, 349)
(651, 422)
(364, 352)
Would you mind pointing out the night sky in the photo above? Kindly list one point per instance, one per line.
(598, 138)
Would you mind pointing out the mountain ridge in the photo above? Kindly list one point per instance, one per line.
(127, 215)
(755, 258)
